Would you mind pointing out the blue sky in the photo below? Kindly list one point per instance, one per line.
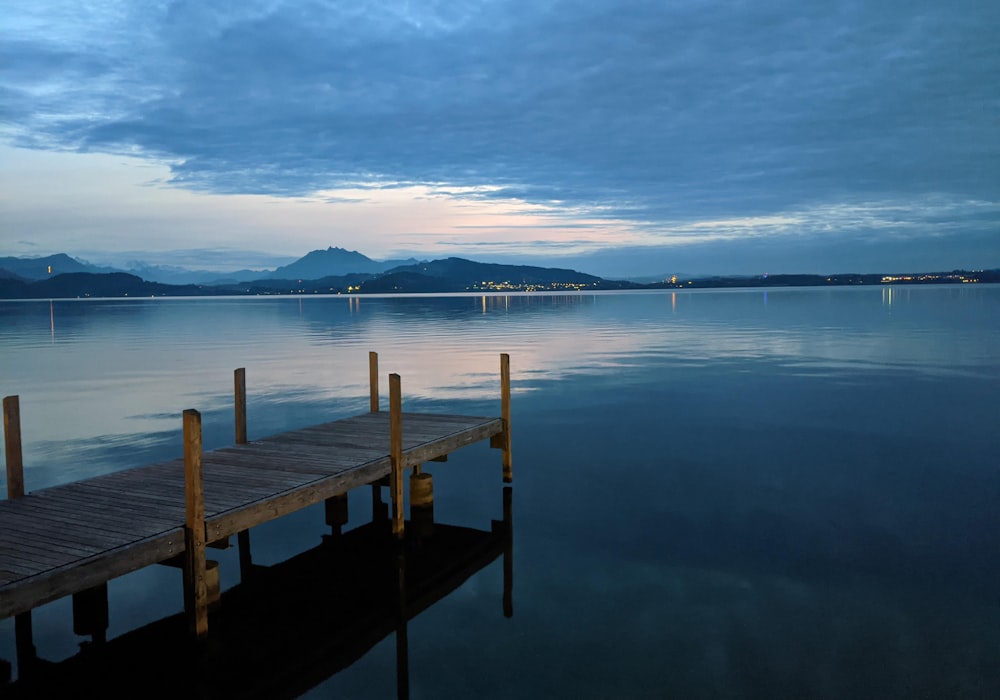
(616, 136)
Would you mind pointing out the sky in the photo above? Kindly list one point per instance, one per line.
(620, 137)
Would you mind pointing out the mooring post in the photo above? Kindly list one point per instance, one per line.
(195, 582)
(240, 423)
(24, 642)
(373, 381)
(396, 453)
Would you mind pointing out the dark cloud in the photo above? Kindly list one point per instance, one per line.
(657, 113)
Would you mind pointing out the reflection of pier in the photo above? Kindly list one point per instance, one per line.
(74, 538)
(290, 626)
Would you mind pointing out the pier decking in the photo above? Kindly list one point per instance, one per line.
(71, 538)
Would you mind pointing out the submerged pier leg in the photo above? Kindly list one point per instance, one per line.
(195, 575)
(422, 503)
(25, 645)
(90, 613)
(396, 453)
(336, 513)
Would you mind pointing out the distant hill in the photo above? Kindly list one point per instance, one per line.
(333, 262)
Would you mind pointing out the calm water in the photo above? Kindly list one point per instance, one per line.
(781, 494)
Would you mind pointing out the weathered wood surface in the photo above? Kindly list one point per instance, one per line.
(68, 538)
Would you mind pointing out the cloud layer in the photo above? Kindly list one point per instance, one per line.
(767, 117)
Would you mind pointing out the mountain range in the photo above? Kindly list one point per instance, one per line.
(335, 271)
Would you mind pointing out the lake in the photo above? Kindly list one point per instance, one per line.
(717, 494)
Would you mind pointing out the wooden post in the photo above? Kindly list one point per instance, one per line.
(195, 581)
(502, 440)
(12, 445)
(240, 403)
(396, 453)
(240, 411)
(24, 641)
(373, 381)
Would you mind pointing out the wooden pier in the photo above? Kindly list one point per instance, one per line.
(73, 538)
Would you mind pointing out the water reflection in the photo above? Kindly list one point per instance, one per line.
(144, 361)
(292, 625)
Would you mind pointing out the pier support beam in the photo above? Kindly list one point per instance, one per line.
(24, 642)
(396, 453)
(195, 574)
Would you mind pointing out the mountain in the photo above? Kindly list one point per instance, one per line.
(333, 262)
(40, 268)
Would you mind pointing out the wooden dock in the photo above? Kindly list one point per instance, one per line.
(73, 538)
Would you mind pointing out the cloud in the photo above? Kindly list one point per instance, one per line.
(690, 118)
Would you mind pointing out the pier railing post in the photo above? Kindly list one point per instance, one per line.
(396, 453)
(373, 381)
(23, 636)
(195, 577)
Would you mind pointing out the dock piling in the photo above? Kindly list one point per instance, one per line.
(195, 574)
(396, 453)
(24, 637)
(240, 411)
